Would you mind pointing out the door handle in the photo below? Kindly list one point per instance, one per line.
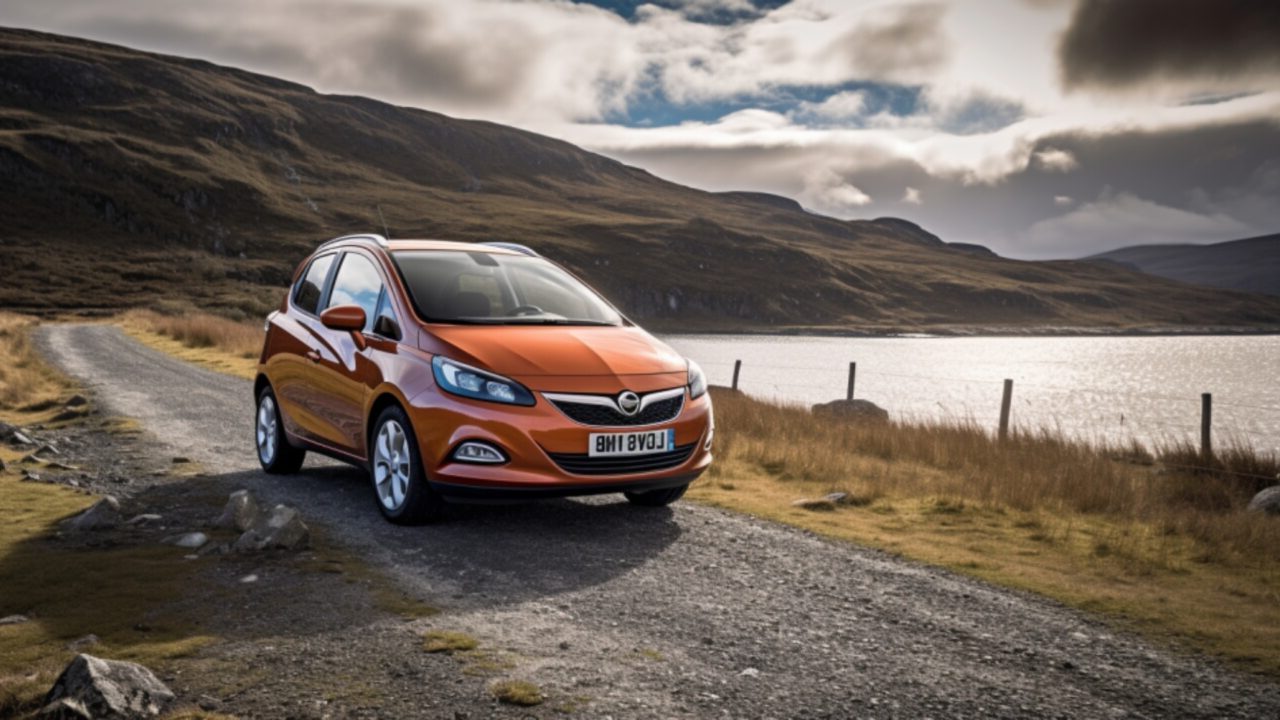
(313, 356)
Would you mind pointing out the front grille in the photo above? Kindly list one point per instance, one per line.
(658, 412)
(582, 464)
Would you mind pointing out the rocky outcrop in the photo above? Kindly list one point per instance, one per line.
(104, 515)
(283, 529)
(92, 687)
(1267, 501)
(857, 410)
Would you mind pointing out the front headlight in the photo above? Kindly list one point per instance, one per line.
(697, 381)
(464, 380)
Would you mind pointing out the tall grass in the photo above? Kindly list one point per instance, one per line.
(1170, 489)
(200, 330)
(25, 380)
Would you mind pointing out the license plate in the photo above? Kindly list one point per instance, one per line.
(632, 443)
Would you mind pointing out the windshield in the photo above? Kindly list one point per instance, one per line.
(456, 286)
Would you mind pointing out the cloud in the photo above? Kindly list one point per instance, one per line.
(1123, 219)
(912, 196)
(827, 191)
(841, 106)
(1063, 200)
(1054, 160)
(1115, 45)
(904, 43)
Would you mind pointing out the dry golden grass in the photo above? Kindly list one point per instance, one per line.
(25, 380)
(518, 692)
(213, 341)
(1174, 553)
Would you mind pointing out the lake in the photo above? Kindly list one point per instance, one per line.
(1096, 388)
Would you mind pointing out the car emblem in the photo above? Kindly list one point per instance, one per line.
(629, 403)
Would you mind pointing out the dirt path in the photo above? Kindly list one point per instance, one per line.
(682, 612)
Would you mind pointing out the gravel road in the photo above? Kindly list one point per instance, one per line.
(686, 611)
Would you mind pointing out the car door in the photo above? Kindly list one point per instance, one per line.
(347, 371)
(292, 367)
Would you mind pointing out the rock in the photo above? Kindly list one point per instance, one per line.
(77, 401)
(1267, 501)
(750, 672)
(249, 579)
(91, 687)
(19, 438)
(14, 620)
(104, 515)
(144, 519)
(836, 497)
(55, 465)
(47, 448)
(191, 540)
(31, 476)
(3, 465)
(858, 410)
(7, 430)
(816, 504)
(241, 512)
(180, 460)
(283, 529)
(81, 643)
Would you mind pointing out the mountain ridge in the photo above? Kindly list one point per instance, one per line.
(1249, 264)
(131, 178)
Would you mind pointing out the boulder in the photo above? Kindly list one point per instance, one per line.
(191, 540)
(283, 529)
(104, 515)
(1267, 501)
(857, 410)
(241, 512)
(815, 504)
(91, 687)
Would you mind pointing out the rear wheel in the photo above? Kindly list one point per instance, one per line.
(395, 467)
(275, 453)
(656, 498)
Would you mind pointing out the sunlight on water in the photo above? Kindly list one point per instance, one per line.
(1114, 389)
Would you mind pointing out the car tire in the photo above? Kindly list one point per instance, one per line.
(656, 498)
(395, 468)
(275, 453)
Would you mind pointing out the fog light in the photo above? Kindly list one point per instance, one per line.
(479, 452)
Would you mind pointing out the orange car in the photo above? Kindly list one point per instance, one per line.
(473, 372)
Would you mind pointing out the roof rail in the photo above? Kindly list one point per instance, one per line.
(515, 247)
(380, 240)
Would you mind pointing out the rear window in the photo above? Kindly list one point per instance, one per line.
(306, 296)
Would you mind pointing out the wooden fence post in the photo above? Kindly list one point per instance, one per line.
(737, 366)
(853, 371)
(1206, 423)
(1005, 402)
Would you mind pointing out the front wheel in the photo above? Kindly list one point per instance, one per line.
(275, 453)
(404, 497)
(657, 498)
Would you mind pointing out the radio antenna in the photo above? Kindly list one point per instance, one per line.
(385, 230)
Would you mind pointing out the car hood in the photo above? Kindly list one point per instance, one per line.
(542, 350)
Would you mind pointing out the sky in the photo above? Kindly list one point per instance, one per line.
(1039, 128)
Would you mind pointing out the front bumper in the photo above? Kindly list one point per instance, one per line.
(546, 450)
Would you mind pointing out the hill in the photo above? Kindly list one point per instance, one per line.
(129, 178)
(1250, 265)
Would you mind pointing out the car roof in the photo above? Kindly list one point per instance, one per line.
(415, 244)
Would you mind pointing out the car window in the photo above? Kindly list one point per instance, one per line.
(357, 283)
(385, 322)
(306, 296)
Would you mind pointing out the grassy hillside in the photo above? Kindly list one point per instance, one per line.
(1250, 265)
(132, 179)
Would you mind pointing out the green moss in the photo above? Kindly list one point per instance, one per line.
(518, 692)
(449, 641)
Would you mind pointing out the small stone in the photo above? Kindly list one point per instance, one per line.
(191, 540)
(564, 644)
(14, 619)
(55, 465)
(1267, 501)
(104, 514)
(180, 460)
(77, 401)
(144, 519)
(836, 497)
(1079, 637)
(30, 476)
(249, 579)
(91, 687)
(80, 643)
(46, 449)
(283, 529)
(241, 512)
(814, 504)
(19, 438)
(750, 672)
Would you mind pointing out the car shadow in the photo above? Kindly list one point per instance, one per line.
(478, 554)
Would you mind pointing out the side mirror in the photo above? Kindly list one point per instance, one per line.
(350, 318)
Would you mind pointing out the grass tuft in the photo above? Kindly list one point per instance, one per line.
(518, 692)
(449, 641)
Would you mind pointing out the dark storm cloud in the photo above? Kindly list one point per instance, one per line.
(1117, 44)
(897, 42)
